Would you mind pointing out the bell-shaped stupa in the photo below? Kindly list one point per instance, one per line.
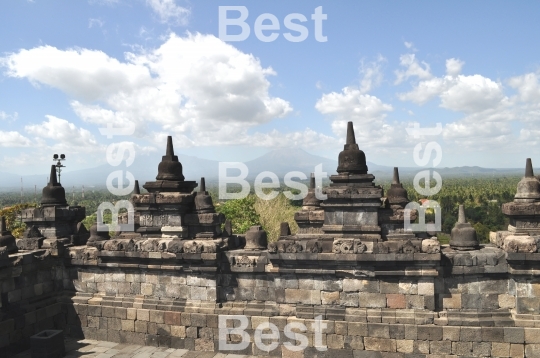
(351, 160)
(54, 193)
(170, 177)
(397, 195)
(463, 236)
(528, 188)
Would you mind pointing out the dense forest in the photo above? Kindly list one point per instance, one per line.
(482, 198)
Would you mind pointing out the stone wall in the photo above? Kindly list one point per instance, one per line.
(359, 333)
(166, 284)
(31, 286)
(482, 303)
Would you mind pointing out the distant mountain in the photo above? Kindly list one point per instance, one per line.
(280, 162)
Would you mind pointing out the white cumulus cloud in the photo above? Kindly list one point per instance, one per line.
(12, 139)
(169, 12)
(87, 74)
(413, 68)
(197, 87)
(62, 131)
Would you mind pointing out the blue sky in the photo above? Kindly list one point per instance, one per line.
(69, 67)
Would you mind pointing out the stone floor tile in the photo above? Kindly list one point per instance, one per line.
(105, 355)
(100, 349)
(178, 353)
(129, 348)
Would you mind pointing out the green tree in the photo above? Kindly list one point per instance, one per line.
(241, 212)
(13, 221)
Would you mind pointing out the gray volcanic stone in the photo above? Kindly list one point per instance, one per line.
(6, 239)
(463, 235)
(351, 160)
(528, 189)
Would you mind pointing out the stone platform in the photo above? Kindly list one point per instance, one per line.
(90, 348)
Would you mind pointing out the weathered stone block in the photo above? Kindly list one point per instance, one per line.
(141, 326)
(156, 316)
(442, 347)
(405, 345)
(517, 351)
(450, 300)
(462, 348)
(380, 344)
(470, 334)
(357, 329)
(348, 299)
(532, 335)
(531, 350)
(352, 285)
(492, 334)
(397, 331)
(178, 331)
(430, 333)
(143, 314)
(330, 298)
(514, 334)
(451, 333)
(335, 341)
(395, 300)
(302, 296)
(372, 300)
(389, 287)
(128, 325)
(482, 349)
(379, 330)
(355, 342)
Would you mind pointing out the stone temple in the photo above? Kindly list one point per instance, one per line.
(353, 281)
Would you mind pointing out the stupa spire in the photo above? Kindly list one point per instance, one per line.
(2, 225)
(170, 149)
(202, 186)
(136, 189)
(529, 169)
(350, 134)
(395, 179)
(52, 177)
(461, 215)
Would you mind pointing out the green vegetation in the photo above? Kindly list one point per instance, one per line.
(241, 212)
(482, 198)
(13, 221)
